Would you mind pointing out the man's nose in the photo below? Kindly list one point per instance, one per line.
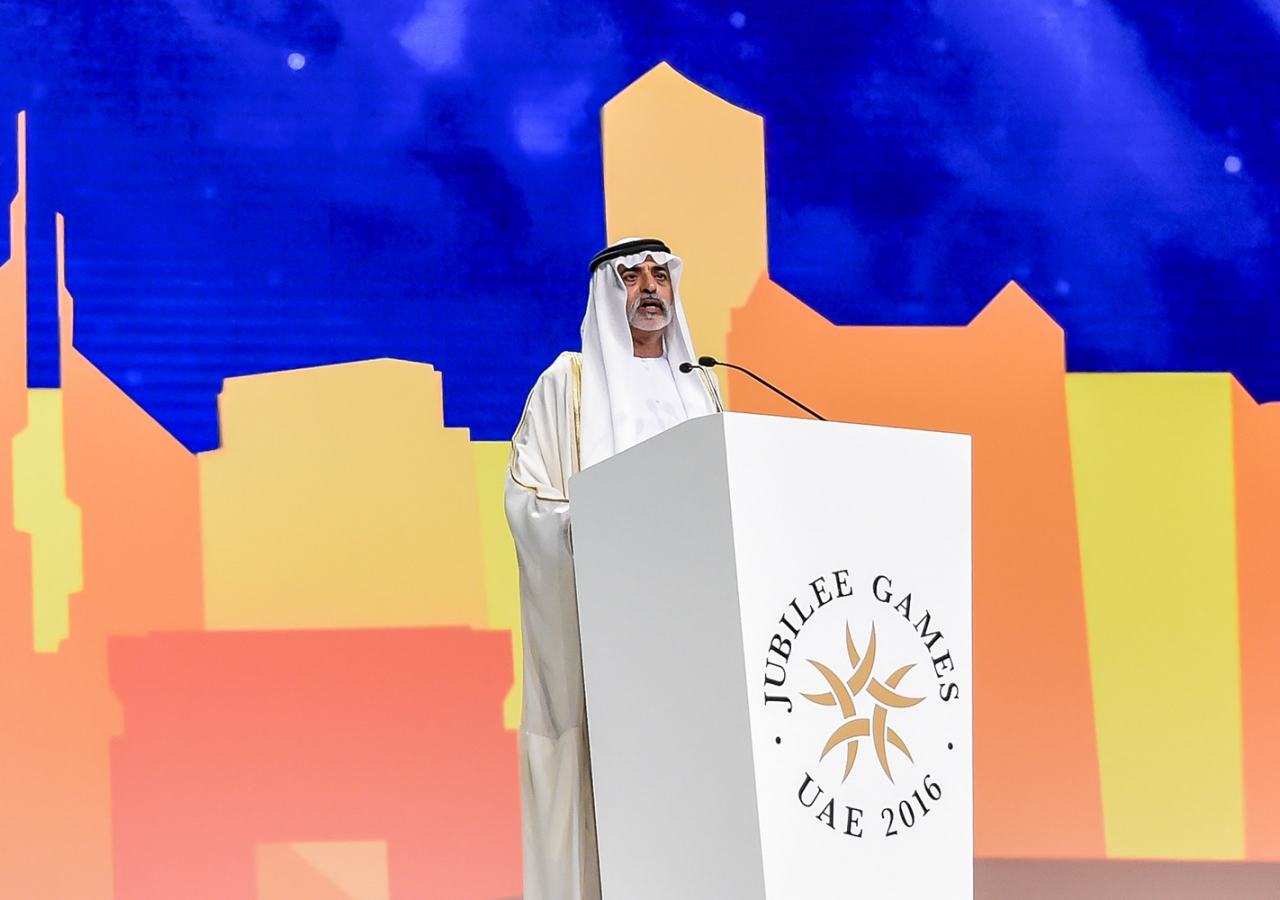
(647, 282)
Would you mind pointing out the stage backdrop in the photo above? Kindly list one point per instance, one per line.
(280, 276)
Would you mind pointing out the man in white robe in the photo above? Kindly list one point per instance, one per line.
(625, 386)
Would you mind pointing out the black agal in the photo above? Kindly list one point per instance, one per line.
(627, 248)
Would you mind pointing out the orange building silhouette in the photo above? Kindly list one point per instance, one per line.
(1257, 471)
(137, 489)
(233, 740)
(1036, 782)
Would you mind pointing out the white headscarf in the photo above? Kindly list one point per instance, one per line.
(610, 394)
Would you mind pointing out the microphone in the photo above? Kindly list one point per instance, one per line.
(709, 361)
(687, 367)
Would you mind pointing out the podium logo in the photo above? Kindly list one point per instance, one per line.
(856, 695)
(844, 693)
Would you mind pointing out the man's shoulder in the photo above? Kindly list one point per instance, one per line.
(557, 388)
(566, 361)
(564, 370)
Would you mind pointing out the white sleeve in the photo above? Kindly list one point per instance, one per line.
(555, 777)
(538, 513)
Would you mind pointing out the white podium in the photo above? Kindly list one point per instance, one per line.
(776, 644)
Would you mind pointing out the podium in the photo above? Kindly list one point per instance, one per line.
(776, 645)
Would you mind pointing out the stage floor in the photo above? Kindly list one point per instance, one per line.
(1113, 879)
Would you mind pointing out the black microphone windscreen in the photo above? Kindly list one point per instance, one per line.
(708, 361)
(686, 367)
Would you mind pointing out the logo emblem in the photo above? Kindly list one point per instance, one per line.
(823, 694)
(844, 693)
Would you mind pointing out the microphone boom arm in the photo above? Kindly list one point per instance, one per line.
(712, 361)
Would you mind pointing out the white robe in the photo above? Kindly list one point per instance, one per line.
(558, 815)
(661, 407)
(583, 409)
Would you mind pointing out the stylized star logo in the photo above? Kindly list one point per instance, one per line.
(842, 695)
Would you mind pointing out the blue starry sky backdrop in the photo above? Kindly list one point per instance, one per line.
(255, 185)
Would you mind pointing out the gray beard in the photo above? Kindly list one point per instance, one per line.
(633, 315)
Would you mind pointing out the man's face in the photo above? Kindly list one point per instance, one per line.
(649, 296)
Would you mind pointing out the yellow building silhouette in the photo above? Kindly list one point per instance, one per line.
(1153, 461)
(42, 510)
(338, 499)
(685, 166)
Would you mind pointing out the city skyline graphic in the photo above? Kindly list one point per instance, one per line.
(291, 663)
